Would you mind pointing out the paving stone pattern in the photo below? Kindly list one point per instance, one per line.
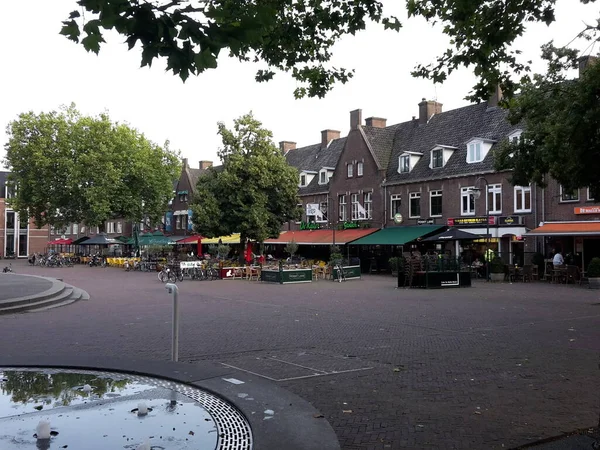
(488, 367)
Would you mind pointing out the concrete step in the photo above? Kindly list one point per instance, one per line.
(57, 288)
(76, 294)
(64, 295)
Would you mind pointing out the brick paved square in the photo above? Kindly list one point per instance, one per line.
(492, 366)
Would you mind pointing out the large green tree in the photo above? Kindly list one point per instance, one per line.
(71, 168)
(253, 192)
(290, 36)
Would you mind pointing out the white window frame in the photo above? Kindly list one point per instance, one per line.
(75, 229)
(51, 230)
(520, 192)
(323, 177)
(82, 231)
(110, 227)
(301, 206)
(354, 206)
(350, 170)
(303, 179)
(119, 228)
(368, 205)
(359, 169)
(411, 197)
(404, 168)
(589, 196)
(432, 194)
(441, 151)
(472, 148)
(495, 207)
(395, 198)
(467, 192)
(342, 211)
(572, 200)
(178, 222)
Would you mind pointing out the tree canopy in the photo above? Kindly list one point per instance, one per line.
(295, 37)
(253, 192)
(71, 168)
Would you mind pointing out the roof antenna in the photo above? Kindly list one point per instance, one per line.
(435, 98)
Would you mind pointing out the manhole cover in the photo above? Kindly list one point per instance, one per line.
(99, 410)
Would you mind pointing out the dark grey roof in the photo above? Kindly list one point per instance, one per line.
(195, 174)
(3, 180)
(314, 158)
(452, 128)
(382, 141)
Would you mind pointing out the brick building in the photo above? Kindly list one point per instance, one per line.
(434, 170)
(19, 237)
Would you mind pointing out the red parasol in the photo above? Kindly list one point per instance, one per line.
(249, 252)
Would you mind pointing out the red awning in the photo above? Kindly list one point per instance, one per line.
(189, 240)
(61, 242)
(567, 229)
(321, 237)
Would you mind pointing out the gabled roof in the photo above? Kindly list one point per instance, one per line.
(314, 158)
(452, 128)
(381, 141)
(195, 174)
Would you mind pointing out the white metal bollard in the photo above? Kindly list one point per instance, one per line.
(173, 289)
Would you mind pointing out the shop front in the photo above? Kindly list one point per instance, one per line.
(578, 241)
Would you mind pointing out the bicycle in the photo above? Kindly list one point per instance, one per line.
(166, 274)
(341, 276)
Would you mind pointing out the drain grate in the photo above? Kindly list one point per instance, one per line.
(232, 427)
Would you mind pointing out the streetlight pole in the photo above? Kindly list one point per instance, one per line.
(331, 218)
(487, 223)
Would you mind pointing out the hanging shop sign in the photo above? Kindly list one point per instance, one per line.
(510, 220)
(398, 219)
(470, 221)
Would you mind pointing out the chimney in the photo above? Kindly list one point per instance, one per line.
(585, 62)
(428, 108)
(286, 146)
(355, 119)
(495, 97)
(205, 165)
(376, 122)
(184, 161)
(327, 136)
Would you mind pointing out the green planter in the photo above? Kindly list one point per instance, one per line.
(287, 276)
(350, 273)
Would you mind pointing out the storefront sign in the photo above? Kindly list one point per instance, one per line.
(510, 220)
(587, 210)
(190, 225)
(351, 225)
(425, 221)
(169, 222)
(398, 218)
(466, 221)
(310, 226)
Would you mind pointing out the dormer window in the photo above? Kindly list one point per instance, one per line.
(437, 158)
(302, 180)
(474, 152)
(359, 169)
(478, 148)
(405, 164)
(350, 169)
(515, 137)
(323, 178)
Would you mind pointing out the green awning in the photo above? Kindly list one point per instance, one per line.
(397, 235)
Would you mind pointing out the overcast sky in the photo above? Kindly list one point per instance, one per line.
(42, 70)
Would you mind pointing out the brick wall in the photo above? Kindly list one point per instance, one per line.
(556, 209)
(356, 151)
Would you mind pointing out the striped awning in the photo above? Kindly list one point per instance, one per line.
(321, 237)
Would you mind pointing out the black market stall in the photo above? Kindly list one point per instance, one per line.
(433, 272)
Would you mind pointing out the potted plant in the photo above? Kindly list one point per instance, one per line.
(496, 269)
(291, 248)
(396, 264)
(593, 273)
(335, 256)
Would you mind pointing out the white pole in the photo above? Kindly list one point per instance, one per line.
(173, 289)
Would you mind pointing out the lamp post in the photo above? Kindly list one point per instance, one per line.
(477, 194)
(331, 218)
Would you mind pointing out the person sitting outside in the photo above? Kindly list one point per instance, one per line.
(558, 260)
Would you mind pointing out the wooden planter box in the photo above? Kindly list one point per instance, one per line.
(286, 276)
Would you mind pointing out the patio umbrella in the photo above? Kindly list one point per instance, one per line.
(61, 241)
(249, 252)
(101, 239)
(453, 234)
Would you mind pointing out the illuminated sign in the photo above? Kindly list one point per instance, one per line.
(466, 221)
(587, 210)
(510, 220)
(310, 226)
(350, 225)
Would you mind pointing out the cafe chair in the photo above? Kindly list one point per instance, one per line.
(527, 274)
